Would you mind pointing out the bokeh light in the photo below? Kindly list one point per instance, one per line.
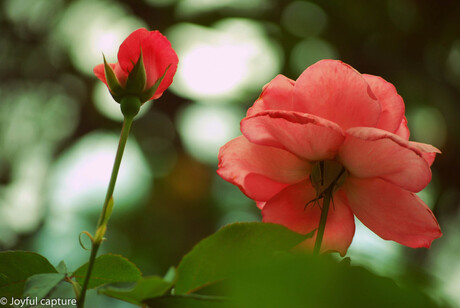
(188, 8)
(368, 249)
(28, 138)
(81, 174)
(204, 129)
(223, 62)
(97, 32)
(34, 15)
(304, 19)
(428, 126)
(310, 51)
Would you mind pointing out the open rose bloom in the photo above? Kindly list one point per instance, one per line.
(333, 128)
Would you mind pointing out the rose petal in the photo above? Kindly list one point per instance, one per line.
(122, 76)
(305, 135)
(259, 171)
(391, 212)
(157, 56)
(99, 71)
(276, 95)
(371, 152)
(391, 103)
(130, 49)
(335, 91)
(288, 208)
(260, 204)
(428, 151)
(403, 130)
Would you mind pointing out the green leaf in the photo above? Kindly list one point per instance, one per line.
(171, 275)
(307, 281)
(216, 257)
(41, 285)
(62, 268)
(190, 301)
(145, 288)
(108, 268)
(16, 267)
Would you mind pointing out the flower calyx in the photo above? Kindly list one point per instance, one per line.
(327, 176)
(135, 82)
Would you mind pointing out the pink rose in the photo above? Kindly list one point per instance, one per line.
(355, 126)
(158, 58)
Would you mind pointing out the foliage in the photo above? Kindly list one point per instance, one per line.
(109, 269)
(16, 267)
(241, 265)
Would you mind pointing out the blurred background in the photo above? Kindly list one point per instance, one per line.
(59, 126)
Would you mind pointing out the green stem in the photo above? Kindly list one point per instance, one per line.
(323, 219)
(101, 225)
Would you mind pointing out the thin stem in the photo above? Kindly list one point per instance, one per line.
(116, 165)
(103, 219)
(323, 219)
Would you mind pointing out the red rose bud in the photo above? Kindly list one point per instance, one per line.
(145, 69)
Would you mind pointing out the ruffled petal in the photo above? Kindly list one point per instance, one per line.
(403, 130)
(276, 95)
(391, 212)
(371, 152)
(391, 103)
(335, 91)
(305, 135)
(428, 151)
(288, 209)
(260, 171)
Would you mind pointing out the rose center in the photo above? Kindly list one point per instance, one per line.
(327, 175)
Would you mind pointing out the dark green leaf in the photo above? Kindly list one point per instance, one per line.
(16, 267)
(307, 281)
(109, 269)
(41, 284)
(219, 255)
(145, 288)
(190, 301)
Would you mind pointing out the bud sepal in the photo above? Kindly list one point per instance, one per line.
(116, 90)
